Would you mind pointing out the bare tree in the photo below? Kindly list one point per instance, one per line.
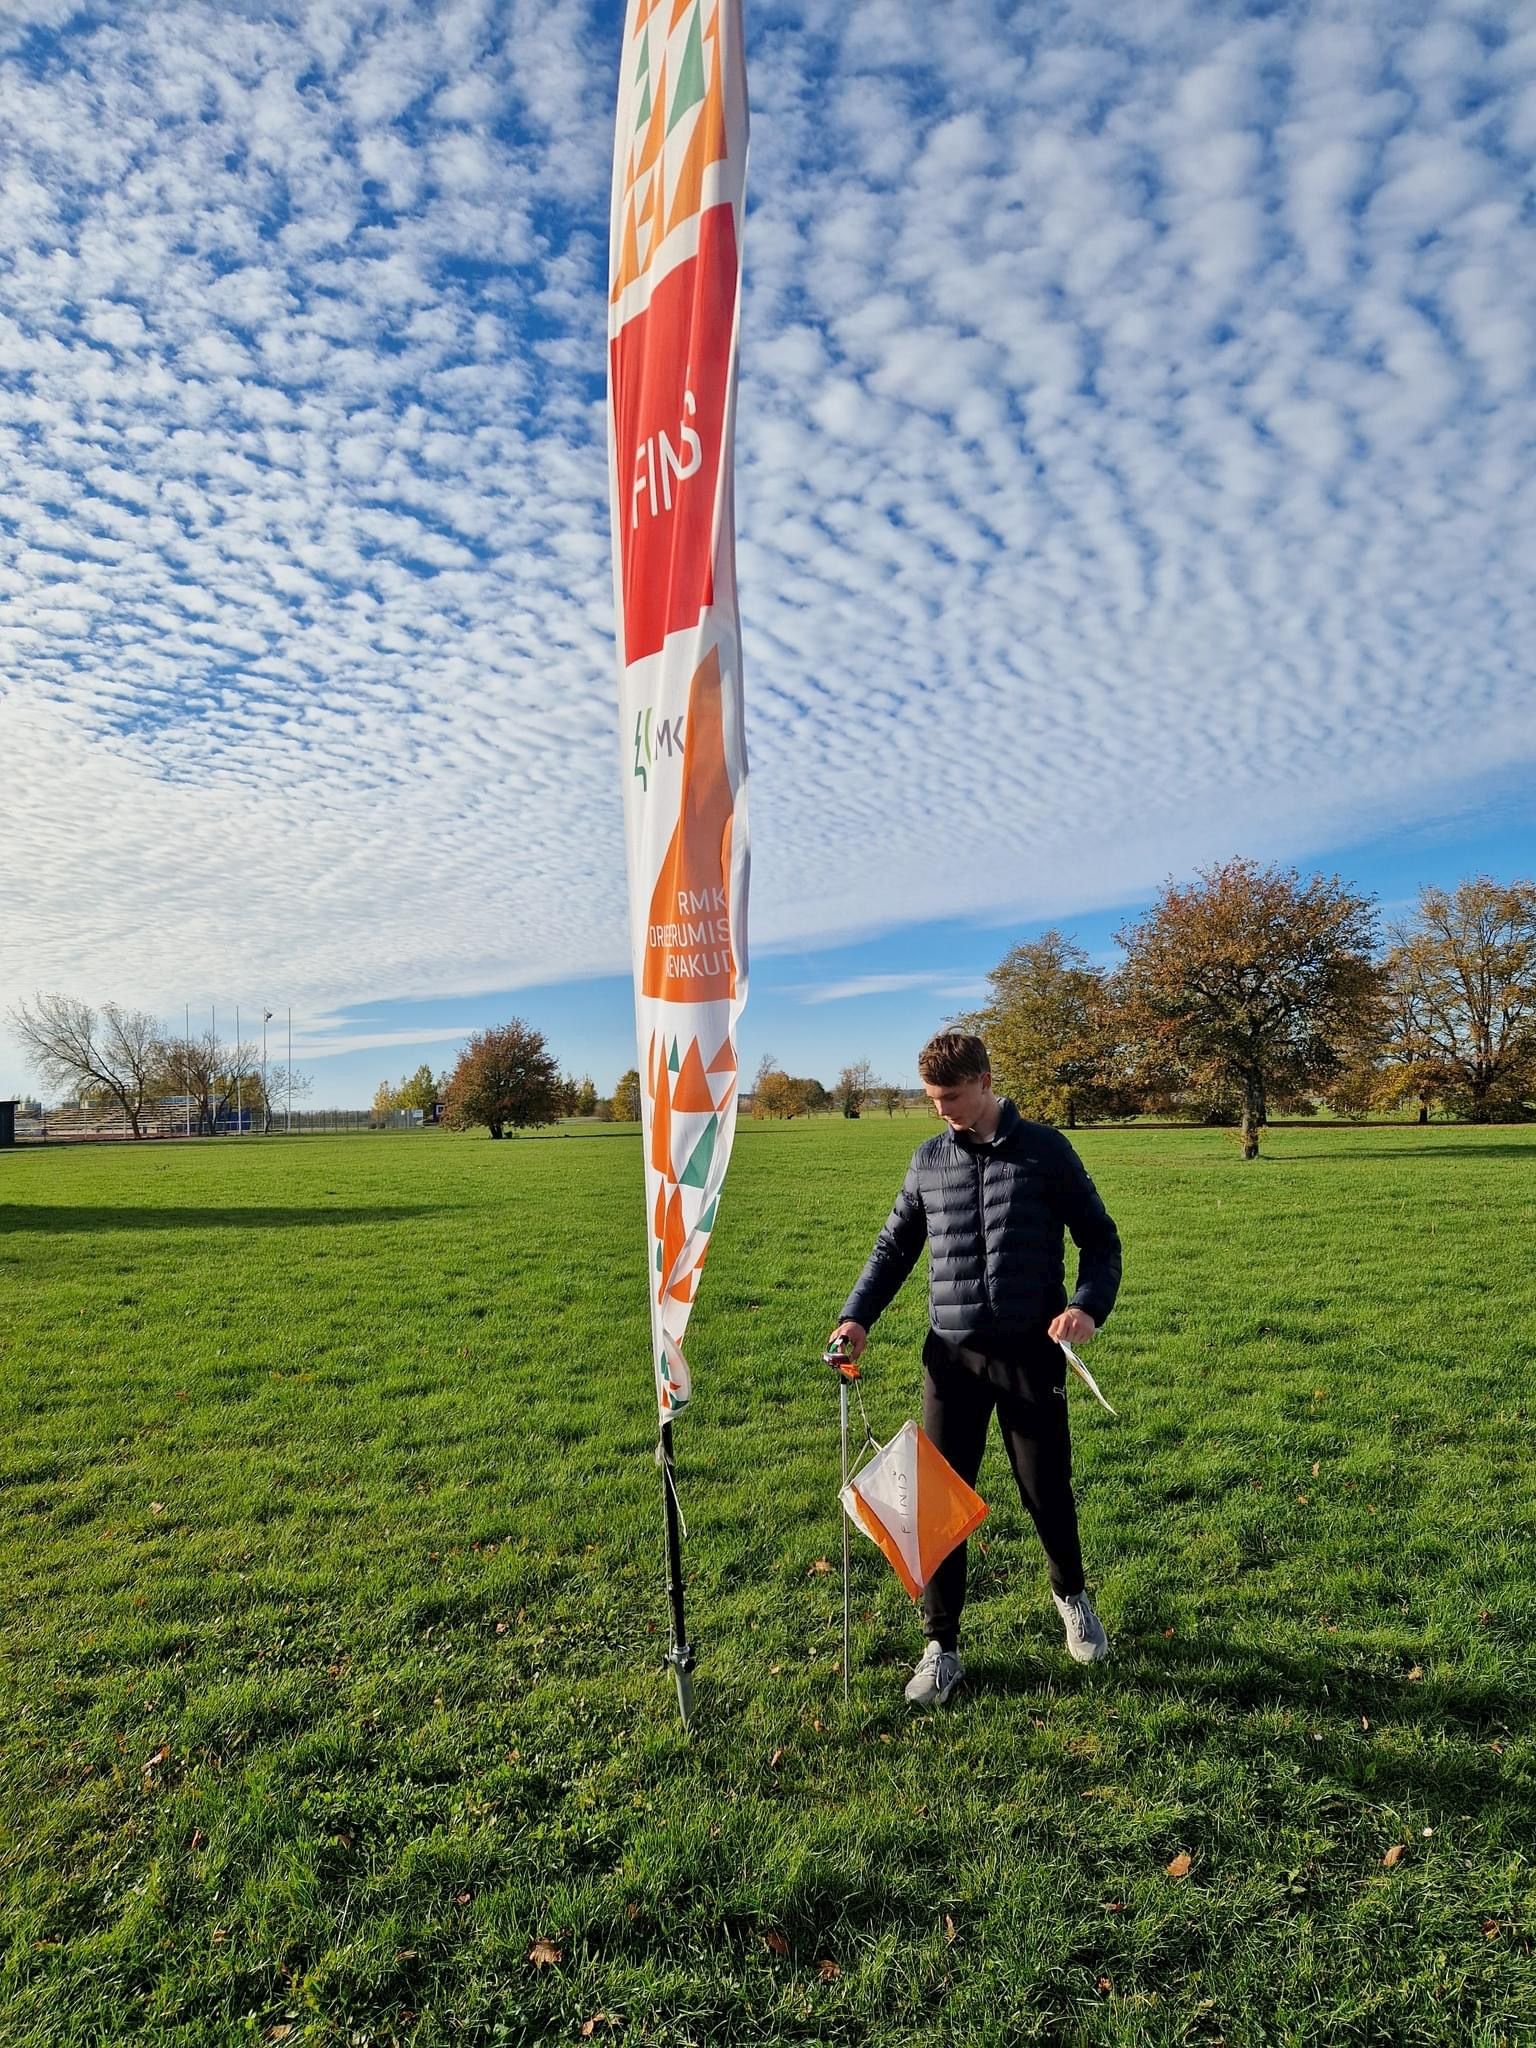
(191, 1067)
(854, 1085)
(117, 1054)
(282, 1085)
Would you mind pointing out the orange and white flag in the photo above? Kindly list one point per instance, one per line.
(679, 194)
(912, 1502)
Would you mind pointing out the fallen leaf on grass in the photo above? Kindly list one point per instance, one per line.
(949, 1927)
(1180, 1866)
(822, 1564)
(1365, 1721)
(1316, 1467)
(1490, 1929)
(776, 1759)
(828, 1971)
(278, 2031)
(1395, 1855)
(1416, 1673)
(775, 1944)
(157, 1507)
(159, 1757)
(598, 2019)
(1105, 1985)
(543, 1954)
(1114, 1905)
(461, 1898)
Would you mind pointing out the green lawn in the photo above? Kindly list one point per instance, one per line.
(330, 1562)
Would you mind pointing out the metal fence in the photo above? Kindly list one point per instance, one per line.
(88, 1126)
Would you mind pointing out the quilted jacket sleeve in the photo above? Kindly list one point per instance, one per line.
(1093, 1232)
(896, 1252)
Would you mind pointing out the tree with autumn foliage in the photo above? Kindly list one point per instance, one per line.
(1462, 983)
(1251, 982)
(1053, 1033)
(626, 1098)
(505, 1079)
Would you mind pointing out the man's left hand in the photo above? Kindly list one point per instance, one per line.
(1072, 1326)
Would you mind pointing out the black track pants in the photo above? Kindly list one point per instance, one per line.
(958, 1400)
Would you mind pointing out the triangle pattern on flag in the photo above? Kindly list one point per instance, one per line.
(724, 1061)
(661, 1125)
(706, 145)
(690, 75)
(691, 1090)
(696, 1173)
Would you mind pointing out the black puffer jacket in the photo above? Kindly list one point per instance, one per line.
(993, 1215)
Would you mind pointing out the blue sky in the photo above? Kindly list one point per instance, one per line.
(1136, 465)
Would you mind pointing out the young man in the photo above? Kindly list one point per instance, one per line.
(991, 1196)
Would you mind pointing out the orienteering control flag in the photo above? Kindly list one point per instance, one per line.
(679, 187)
(912, 1502)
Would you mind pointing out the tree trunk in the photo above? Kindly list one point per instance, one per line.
(1253, 1114)
(1423, 1111)
(495, 1130)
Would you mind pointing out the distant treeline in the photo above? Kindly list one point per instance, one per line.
(1252, 992)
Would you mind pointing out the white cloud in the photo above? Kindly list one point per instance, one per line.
(1136, 464)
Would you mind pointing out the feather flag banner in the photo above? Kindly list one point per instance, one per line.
(679, 188)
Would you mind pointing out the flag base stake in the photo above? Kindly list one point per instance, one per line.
(680, 1657)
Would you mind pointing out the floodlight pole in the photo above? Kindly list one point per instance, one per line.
(290, 1070)
(680, 1656)
(239, 1063)
(186, 1062)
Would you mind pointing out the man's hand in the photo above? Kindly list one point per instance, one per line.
(854, 1336)
(1072, 1326)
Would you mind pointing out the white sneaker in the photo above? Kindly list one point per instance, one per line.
(1086, 1640)
(938, 1672)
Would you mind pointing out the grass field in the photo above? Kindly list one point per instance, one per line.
(332, 1609)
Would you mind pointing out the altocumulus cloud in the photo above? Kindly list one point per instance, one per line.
(1136, 463)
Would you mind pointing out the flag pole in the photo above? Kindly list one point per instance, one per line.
(680, 1657)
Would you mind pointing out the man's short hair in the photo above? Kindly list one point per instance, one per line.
(951, 1057)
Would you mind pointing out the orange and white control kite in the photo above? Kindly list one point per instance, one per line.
(913, 1503)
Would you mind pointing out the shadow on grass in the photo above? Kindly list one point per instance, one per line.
(1470, 1150)
(1244, 1677)
(58, 1220)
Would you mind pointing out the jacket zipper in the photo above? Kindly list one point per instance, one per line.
(986, 1250)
